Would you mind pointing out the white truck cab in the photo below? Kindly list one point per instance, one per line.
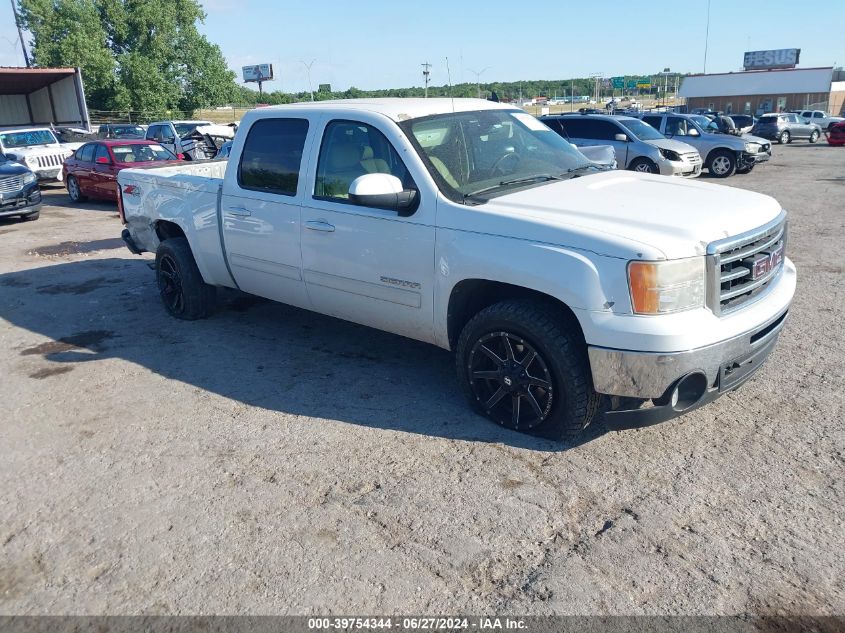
(563, 290)
(38, 149)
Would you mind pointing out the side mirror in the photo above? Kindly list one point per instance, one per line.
(103, 160)
(383, 191)
(622, 138)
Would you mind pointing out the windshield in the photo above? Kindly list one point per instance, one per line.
(183, 129)
(140, 153)
(124, 131)
(467, 152)
(23, 139)
(704, 123)
(642, 130)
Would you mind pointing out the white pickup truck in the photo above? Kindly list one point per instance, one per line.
(563, 290)
(820, 118)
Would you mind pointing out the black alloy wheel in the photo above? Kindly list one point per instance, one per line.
(511, 380)
(170, 285)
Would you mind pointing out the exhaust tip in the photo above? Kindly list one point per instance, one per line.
(688, 391)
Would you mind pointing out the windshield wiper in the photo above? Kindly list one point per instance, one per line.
(573, 172)
(515, 181)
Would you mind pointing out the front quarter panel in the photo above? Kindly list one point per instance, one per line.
(580, 279)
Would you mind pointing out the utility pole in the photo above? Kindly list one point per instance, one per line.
(706, 37)
(426, 75)
(597, 77)
(308, 71)
(478, 74)
(20, 34)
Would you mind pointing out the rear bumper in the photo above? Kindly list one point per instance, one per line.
(717, 368)
(130, 243)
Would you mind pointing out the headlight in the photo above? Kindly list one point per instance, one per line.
(668, 154)
(671, 286)
(29, 177)
(752, 148)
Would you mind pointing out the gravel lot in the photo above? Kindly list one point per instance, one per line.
(269, 460)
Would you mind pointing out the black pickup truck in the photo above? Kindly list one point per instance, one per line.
(19, 192)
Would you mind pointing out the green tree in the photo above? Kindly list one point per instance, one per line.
(140, 54)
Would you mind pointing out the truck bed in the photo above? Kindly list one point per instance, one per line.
(184, 195)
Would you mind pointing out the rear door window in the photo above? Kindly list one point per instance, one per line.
(272, 156)
(85, 153)
(102, 152)
(653, 121)
(591, 129)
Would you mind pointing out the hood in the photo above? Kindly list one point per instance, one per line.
(755, 139)
(11, 168)
(621, 214)
(39, 150)
(673, 145)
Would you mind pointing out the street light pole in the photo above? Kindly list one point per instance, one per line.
(478, 74)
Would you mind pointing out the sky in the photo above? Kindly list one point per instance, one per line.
(382, 44)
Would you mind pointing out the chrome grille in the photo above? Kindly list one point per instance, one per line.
(12, 183)
(50, 160)
(733, 273)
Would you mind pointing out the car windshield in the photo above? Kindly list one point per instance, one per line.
(183, 129)
(492, 151)
(705, 124)
(140, 153)
(127, 131)
(24, 139)
(641, 130)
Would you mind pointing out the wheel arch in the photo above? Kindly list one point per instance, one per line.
(470, 296)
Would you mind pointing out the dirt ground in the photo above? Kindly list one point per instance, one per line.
(272, 461)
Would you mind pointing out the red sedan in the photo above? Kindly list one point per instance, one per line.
(91, 171)
(836, 134)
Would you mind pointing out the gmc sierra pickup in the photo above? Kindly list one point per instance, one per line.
(563, 290)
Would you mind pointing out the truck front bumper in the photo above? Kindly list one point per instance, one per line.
(682, 381)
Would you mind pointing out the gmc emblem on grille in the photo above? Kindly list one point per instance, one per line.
(764, 263)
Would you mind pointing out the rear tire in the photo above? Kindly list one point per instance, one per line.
(519, 365)
(814, 136)
(74, 191)
(784, 138)
(721, 163)
(183, 292)
(644, 166)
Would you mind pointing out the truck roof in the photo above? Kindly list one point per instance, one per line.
(398, 109)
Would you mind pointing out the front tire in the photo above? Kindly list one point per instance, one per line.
(814, 136)
(644, 166)
(183, 292)
(722, 163)
(784, 138)
(31, 217)
(74, 191)
(519, 365)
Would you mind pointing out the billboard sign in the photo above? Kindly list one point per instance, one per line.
(644, 83)
(259, 72)
(780, 58)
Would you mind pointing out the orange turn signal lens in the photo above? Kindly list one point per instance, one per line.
(645, 292)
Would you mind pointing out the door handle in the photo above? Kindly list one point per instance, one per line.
(241, 212)
(319, 225)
